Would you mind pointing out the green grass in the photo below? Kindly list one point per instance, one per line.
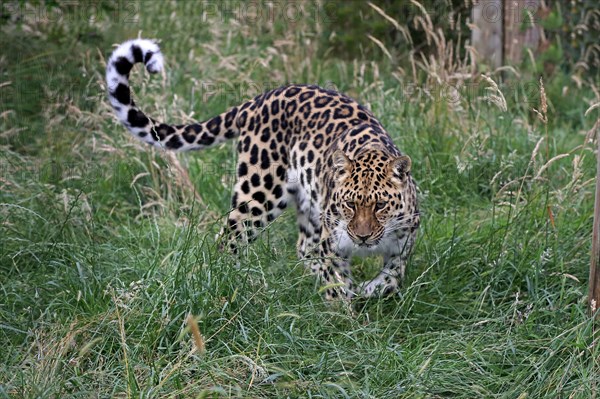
(106, 247)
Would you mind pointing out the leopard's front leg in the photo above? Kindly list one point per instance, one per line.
(394, 265)
(388, 280)
(332, 270)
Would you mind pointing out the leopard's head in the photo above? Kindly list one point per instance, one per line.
(374, 196)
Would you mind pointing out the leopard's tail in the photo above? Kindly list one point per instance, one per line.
(194, 136)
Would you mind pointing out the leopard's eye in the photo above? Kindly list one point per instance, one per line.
(380, 205)
(351, 205)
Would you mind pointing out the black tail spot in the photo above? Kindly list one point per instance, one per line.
(122, 94)
(229, 134)
(123, 66)
(136, 118)
(229, 118)
(138, 56)
(174, 143)
(206, 139)
(214, 125)
(148, 57)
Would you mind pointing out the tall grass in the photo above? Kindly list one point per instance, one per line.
(112, 283)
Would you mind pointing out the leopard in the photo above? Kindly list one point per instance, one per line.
(305, 145)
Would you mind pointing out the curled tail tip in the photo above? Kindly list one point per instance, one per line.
(134, 51)
(118, 67)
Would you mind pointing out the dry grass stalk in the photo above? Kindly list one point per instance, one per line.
(198, 339)
(182, 177)
(495, 95)
(535, 151)
(402, 29)
(593, 107)
(543, 114)
(547, 165)
(381, 46)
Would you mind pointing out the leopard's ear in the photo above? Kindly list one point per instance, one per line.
(340, 160)
(401, 165)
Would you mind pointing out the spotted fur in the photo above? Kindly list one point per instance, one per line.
(318, 148)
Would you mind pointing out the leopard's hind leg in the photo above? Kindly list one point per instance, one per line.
(259, 196)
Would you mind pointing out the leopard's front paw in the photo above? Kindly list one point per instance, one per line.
(380, 286)
(341, 292)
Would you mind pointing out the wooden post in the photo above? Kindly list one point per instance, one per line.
(521, 28)
(486, 33)
(594, 292)
(503, 29)
(594, 284)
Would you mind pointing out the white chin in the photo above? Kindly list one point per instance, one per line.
(346, 246)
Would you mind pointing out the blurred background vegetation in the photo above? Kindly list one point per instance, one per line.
(404, 37)
(572, 28)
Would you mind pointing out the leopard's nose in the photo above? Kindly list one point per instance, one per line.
(364, 238)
